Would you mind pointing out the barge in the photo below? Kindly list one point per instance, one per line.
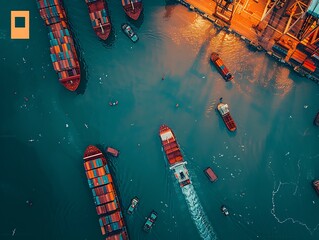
(316, 120)
(112, 151)
(104, 194)
(63, 54)
(100, 19)
(315, 184)
(174, 155)
(132, 8)
(221, 66)
(210, 174)
(227, 118)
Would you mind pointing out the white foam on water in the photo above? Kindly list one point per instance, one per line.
(204, 228)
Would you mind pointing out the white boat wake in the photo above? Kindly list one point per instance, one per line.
(206, 231)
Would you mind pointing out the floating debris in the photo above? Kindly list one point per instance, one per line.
(305, 106)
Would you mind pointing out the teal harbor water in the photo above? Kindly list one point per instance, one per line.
(265, 169)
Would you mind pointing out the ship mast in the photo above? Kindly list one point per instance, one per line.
(102, 29)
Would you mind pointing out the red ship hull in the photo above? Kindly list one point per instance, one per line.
(221, 67)
(132, 9)
(228, 120)
(98, 12)
(105, 198)
(63, 54)
(171, 147)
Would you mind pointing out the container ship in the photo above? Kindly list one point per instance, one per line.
(174, 155)
(100, 19)
(132, 8)
(315, 184)
(227, 118)
(105, 198)
(221, 67)
(63, 54)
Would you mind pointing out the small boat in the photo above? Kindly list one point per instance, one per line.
(174, 155)
(113, 103)
(150, 221)
(133, 205)
(132, 8)
(210, 174)
(100, 19)
(316, 121)
(127, 29)
(227, 118)
(221, 67)
(224, 210)
(112, 151)
(315, 184)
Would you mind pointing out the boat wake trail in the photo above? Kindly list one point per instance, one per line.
(206, 231)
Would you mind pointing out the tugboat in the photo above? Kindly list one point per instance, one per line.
(174, 155)
(127, 29)
(150, 221)
(315, 184)
(133, 205)
(100, 19)
(316, 121)
(221, 67)
(132, 8)
(224, 210)
(227, 118)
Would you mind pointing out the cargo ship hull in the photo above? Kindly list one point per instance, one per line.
(221, 66)
(99, 17)
(227, 118)
(174, 155)
(104, 194)
(63, 54)
(132, 8)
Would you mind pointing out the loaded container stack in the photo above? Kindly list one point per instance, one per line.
(105, 198)
(100, 19)
(132, 8)
(63, 54)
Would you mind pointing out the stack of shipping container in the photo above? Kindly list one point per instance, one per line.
(63, 54)
(104, 194)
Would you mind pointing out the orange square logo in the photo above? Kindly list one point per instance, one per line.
(20, 32)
